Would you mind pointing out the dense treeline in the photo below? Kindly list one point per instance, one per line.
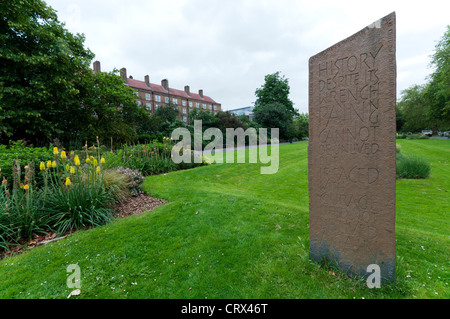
(427, 106)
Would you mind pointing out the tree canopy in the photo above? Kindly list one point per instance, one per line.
(274, 90)
(41, 68)
(427, 106)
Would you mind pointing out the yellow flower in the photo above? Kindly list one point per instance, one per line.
(72, 170)
(68, 181)
(76, 160)
(26, 187)
(67, 167)
(98, 169)
(54, 164)
(55, 151)
(49, 164)
(42, 166)
(102, 160)
(63, 155)
(95, 162)
(87, 160)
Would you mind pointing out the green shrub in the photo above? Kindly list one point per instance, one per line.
(79, 206)
(418, 137)
(412, 166)
(25, 155)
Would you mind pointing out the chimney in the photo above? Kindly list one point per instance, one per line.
(165, 84)
(147, 80)
(186, 89)
(200, 92)
(97, 66)
(123, 74)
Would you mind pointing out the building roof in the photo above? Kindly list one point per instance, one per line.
(159, 88)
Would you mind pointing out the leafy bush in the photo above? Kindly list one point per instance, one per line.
(418, 137)
(19, 151)
(412, 166)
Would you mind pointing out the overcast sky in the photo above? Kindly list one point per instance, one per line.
(226, 47)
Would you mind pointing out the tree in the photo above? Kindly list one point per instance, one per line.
(41, 66)
(275, 115)
(437, 92)
(428, 106)
(302, 125)
(228, 120)
(167, 113)
(414, 108)
(208, 118)
(274, 90)
(106, 108)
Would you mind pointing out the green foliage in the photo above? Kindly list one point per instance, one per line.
(412, 166)
(414, 108)
(108, 110)
(274, 90)
(227, 234)
(275, 115)
(80, 206)
(428, 106)
(41, 66)
(19, 151)
(302, 126)
(22, 214)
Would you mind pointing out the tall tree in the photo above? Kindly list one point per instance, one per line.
(414, 108)
(437, 92)
(275, 115)
(40, 67)
(274, 90)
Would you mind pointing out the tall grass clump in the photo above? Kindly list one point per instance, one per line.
(22, 213)
(412, 166)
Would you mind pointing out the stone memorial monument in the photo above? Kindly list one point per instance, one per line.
(351, 152)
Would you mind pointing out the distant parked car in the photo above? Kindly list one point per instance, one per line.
(427, 132)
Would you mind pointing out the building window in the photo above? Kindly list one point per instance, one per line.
(175, 101)
(136, 92)
(156, 106)
(149, 106)
(184, 110)
(190, 104)
(157, 98)
(138, 103)
(183, 102)
(167, 99)
(147, 96)
(215, 108)
(204, 106)
(197, 104)
(184, 118)
(210, 107)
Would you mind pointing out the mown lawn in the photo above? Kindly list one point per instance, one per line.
(231, 232)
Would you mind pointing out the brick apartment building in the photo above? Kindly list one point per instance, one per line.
(152, 96)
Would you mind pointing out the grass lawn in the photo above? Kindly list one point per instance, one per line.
(231, 232)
